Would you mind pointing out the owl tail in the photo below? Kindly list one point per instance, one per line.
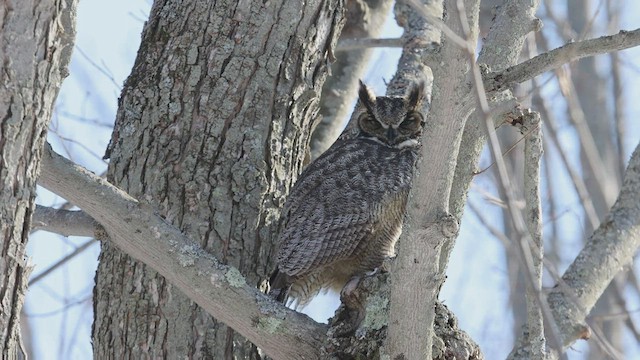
(279, 285)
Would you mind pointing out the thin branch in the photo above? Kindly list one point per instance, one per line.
(619, 106)
(63, 222)
(617, 316)
(366, 43)
(101, 68)
(606, 187)
(578, 183)
(219, 289)
(524, 250)
(619, 294)
(532, 158)
(488, 224)
(600, 339)
(510, 149)
(614, 13)
(65, 307)
(501, 80)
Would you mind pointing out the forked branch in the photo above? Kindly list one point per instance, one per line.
(501, 80)
(219, 289)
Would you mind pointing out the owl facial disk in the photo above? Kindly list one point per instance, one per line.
(392, 121)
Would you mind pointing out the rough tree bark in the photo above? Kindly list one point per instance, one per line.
(212, 122)
(221, 290)
(36, 39)
(416, 278)
(612, 246)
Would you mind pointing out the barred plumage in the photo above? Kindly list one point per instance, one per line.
(345, 212)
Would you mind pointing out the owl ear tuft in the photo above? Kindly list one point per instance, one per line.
(367, 98)
(416, 95)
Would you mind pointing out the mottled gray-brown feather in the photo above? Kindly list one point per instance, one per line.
(329, 211)
(345, 212)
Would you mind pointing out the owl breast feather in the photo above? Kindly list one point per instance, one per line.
(339, 200)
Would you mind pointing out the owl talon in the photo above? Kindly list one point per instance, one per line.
(351, 286)
(372, 272)
(264, 286)
(352, 311)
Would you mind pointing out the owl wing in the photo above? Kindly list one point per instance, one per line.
(321, 238)
(330, 211)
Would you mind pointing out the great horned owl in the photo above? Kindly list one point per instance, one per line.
(345, 212)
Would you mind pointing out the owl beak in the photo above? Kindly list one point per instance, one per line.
(391, 134)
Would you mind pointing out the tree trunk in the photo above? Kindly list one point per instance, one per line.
(35, 48)
(212, 122)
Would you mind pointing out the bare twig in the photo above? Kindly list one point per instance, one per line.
(488, 224)
(619, 294)
(618, 110)
(508, 194)
(510, 149)
(101, 68)
(578, 183)
(614, 12)
(505, 79)
(365, 43)
(605, 186)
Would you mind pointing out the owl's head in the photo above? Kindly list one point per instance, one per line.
(393, 121)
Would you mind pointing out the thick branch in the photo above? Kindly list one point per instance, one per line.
(63, 222)
(221, 290)
(416, 275)
(611, 247)
(501, 80)
(533, 156)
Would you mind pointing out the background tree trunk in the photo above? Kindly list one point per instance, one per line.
(213, 120)
(36, 39)
(364, 19)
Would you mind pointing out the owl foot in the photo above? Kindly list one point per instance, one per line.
(384, 268)
(352, 311)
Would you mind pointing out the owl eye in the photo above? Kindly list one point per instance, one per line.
(412, 122)
(368, 122)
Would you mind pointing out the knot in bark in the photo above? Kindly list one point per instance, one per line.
(449, 226)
